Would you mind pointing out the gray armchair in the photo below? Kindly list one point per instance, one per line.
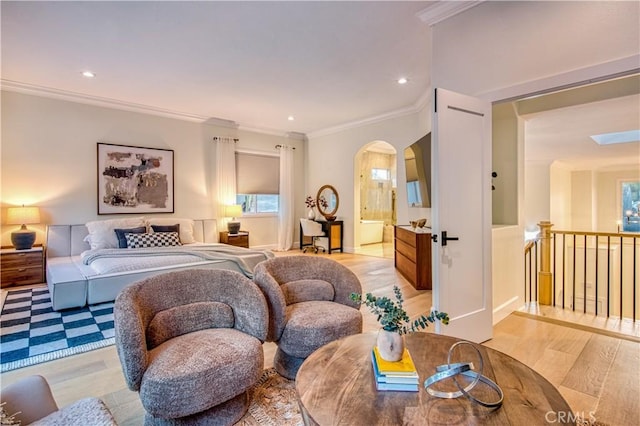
(31, 401)
(190, 343)
(309, 306)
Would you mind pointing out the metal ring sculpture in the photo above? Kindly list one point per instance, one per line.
(466, 369)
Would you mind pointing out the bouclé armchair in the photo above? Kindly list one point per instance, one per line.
(190, 342)
(309, 306)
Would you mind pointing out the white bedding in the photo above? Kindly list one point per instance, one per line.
(110, 261)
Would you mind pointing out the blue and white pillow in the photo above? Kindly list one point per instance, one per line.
(157, 239)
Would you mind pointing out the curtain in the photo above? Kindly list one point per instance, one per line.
(286, 213)
(225, 177)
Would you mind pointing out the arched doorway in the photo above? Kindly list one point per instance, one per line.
(375, 192)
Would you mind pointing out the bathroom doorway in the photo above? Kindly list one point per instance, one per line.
(375, 203)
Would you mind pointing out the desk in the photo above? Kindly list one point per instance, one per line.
(333, 231)
(335, 385)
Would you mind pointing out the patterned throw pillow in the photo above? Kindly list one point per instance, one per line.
(157, 239)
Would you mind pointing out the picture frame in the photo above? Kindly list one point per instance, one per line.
(134, 180)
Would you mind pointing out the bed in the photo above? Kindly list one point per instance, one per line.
(80, 272)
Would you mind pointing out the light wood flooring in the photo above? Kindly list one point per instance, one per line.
(598, 374)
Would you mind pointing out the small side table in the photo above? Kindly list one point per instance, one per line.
(241, 239)
(21, 267)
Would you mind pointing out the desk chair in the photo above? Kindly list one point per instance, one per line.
(313, 229)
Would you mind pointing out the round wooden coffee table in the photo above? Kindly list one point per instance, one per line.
(335, 386)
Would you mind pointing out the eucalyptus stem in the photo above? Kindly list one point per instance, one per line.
(392, 316)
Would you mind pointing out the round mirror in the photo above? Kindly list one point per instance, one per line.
(327, 201)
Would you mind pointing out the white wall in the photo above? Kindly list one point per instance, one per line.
(608, 193)
(331, 160)
(49, 159)
(536, 194)
(560, 197)
(501, 49)
(504, 159)
(586, 200)
(582, 194)
(499, 44)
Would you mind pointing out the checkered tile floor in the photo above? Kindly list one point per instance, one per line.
(31, 331)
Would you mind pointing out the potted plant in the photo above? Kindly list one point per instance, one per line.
(395, 322)
(310, 203)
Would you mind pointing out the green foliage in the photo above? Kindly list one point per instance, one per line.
(393, 317)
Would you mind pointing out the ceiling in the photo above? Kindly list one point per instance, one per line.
(328, 64)
(559, 126)
(255, 63)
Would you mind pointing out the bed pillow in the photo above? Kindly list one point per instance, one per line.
(157, 239)
(186, 227)
(122, 241)
(102, 234)
(166, 228)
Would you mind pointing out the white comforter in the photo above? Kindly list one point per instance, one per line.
(108, 261)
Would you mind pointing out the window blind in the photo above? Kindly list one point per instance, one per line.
(257, 174)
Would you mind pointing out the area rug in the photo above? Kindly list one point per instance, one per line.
(273, 402)
(31, 332)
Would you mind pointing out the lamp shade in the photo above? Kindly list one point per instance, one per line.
(23, 239)
(234, 210)
(23, 215)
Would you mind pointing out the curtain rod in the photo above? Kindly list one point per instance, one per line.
(280, 146)
(215, 138)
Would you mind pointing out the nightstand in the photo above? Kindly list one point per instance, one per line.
(21, 267)
(241, 239)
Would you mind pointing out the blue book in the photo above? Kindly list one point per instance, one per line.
(384, 382)
(396, 387)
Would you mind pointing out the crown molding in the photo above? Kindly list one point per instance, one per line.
(296, 136)
(30, 89)
(441, 10)
(47, 92)
(412, 109)
(221, 122)
(262, 130)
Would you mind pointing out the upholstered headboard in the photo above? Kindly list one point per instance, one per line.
(68, 240)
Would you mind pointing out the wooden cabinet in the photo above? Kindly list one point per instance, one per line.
(333, 232)
(413, 256)
(241, 239)
(21, 267)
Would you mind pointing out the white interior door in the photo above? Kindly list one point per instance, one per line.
(461, 208)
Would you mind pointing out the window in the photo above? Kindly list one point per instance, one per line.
(413, 194)
(630, 205)
(257, 183)
(380, 174)
(258, 203)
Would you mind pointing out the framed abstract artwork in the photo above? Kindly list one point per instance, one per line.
(134, 179)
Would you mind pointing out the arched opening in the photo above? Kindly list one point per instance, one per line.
(375, 190)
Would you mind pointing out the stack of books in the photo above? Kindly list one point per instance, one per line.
(395, 376)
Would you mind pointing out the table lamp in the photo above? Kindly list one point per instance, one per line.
(23, 239)
(233, 211)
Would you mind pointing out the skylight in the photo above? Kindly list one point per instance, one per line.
(617, 137)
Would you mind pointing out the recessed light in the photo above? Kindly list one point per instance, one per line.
(88, 74)
(290, 118)
(617, 137)
(402, 80)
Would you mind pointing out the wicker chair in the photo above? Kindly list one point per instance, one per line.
(190, 343)
(309, 306)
